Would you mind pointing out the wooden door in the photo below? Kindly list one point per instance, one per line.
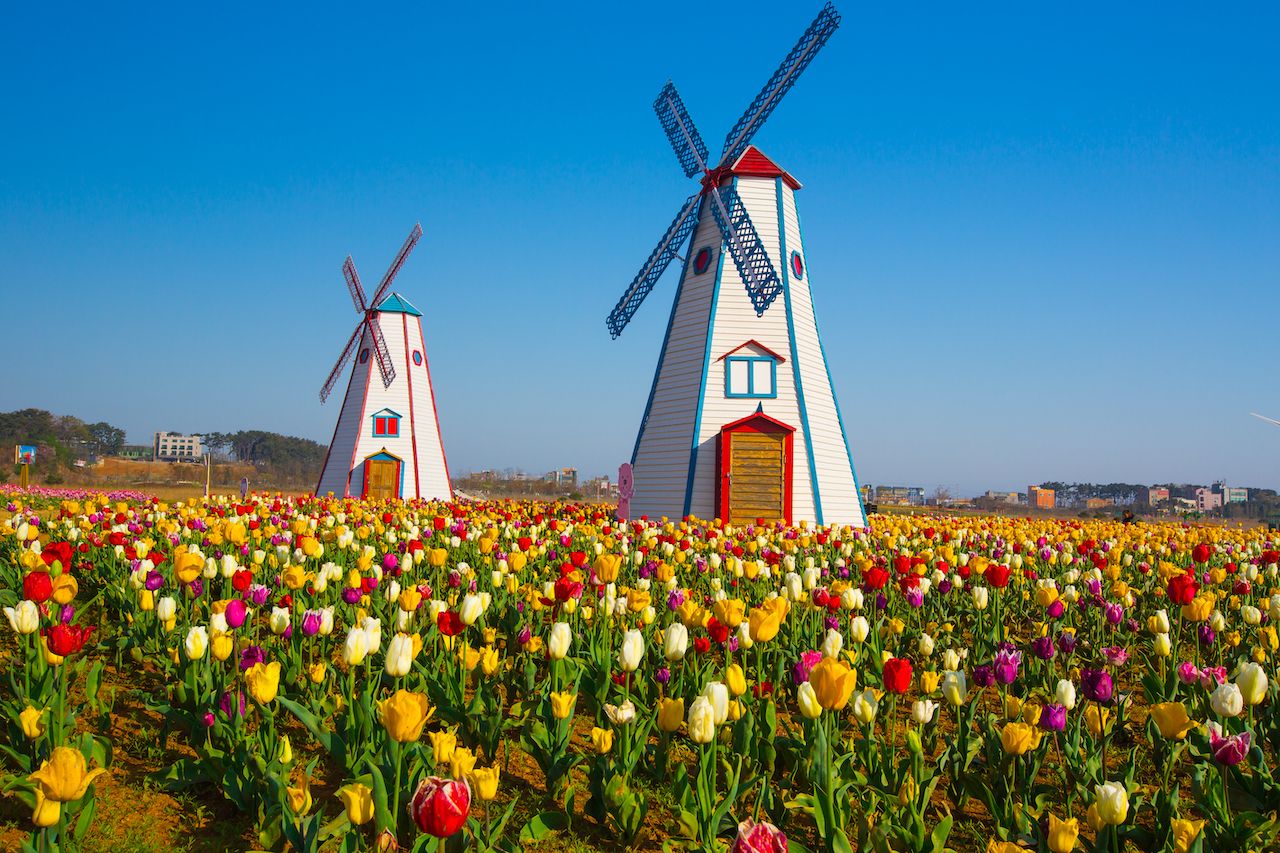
(380, 478)
(757, 477)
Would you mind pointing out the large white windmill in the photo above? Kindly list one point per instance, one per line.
(387, 442)
(742, 420)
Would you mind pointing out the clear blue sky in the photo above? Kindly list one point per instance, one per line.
(1043, 242)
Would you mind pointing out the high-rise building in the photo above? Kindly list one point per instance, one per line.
(176, 447)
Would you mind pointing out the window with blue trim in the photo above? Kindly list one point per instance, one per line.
(386, 423)
(750, 376)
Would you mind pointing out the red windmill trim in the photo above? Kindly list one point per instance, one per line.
(754, 164)
(758, 345)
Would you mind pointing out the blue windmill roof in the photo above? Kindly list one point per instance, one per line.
(397, 304)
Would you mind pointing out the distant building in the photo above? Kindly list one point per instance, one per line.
(1185, 503)
(564, 477)
(1208, 499)
(900, 495)
(1235, 495)
(1098, 503)
(1157, 495)
(142, 452)
(1039, 498)
(176, 447)
(1001, 497)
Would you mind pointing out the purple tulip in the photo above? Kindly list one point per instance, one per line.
(1043, 648)
(915, 597)
(675, 598)
(1115, 655)
(1067, 642)
(351, 594)
(983, 676)
(224, 704)
(1056, 609)
(235, 613)
(1229, 750)
(1053, 717)
(258, 594)
(311, 623)
(250, 656)
(154, 580)
(1205, 634)
(1006, 665)
(1097, 685)
(1115, 613)
(663, 675)
(944, 586)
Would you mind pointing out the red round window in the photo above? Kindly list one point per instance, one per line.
(702, 260)
(417, 358)
(797, 265)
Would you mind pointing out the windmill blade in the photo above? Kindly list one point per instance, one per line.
(380, 350)
(1265, 418)
(353, 285)
(668, 247)
(412, 240)
(690, 150)
(746, 248)
(342, 360)
(780, 83)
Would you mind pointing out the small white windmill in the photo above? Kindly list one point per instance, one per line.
(387, 442)
(742, 421)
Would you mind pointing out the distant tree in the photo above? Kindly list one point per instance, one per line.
(105, 439)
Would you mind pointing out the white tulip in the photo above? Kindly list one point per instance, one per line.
(859, 629)
(675, 642)
(717, 693)
(1065, 694)
(632, 651)
(922, 711)
(197, 642)
(559, 641)
(279, 620)
(24, 618)
(166, 608)
(832, 644)
(356, 647)
(399, 655)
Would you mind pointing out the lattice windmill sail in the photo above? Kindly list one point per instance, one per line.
(741, 422)
(387, 441)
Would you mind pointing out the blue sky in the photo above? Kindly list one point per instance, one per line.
(1042, 242)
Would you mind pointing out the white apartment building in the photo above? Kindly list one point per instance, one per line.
(176, 447)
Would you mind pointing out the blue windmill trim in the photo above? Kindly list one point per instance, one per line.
(795, 357)
(397, 304)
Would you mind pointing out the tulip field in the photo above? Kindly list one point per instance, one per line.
(337, 675)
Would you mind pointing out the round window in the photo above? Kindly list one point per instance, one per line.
(364, 356)
(797, 265)
(417, 358)
(702, 260)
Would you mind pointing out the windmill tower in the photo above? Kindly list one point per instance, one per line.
(742, 420)
(387, 442)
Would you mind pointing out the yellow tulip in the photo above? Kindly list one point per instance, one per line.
(1199, 608)
(404, 714)
(1171, 719)
(562, 705)
(729, 611)
(47, 811)
(485, 781)
(606, 567)
(602, 740)
(65, 588)
(1019, 738)
(461, 762)
(300, 797)
(670, 714)
(994, 846)
(735, 680)
(929, 681)
(442, 745)
(294, 577)
(833, 683)
(358, 801)
(436, 557)
(1063, 834)
(263, 680)
(765, 621)
(31, 725)
(1096, 719)
(1185, 832)
(65, 776)
(187, 566)
(489, 660)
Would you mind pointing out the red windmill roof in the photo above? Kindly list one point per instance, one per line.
(754, 164)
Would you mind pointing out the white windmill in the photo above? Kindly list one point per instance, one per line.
(742, 420)
(387, 442)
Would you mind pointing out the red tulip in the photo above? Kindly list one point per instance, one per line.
(37, 587)
(67, 639)
(897, 675)
(875, 577)
(440, 806)
(449, 623)
(59, 552)
(1182, 589)
(1200, 553)
(997, 575)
